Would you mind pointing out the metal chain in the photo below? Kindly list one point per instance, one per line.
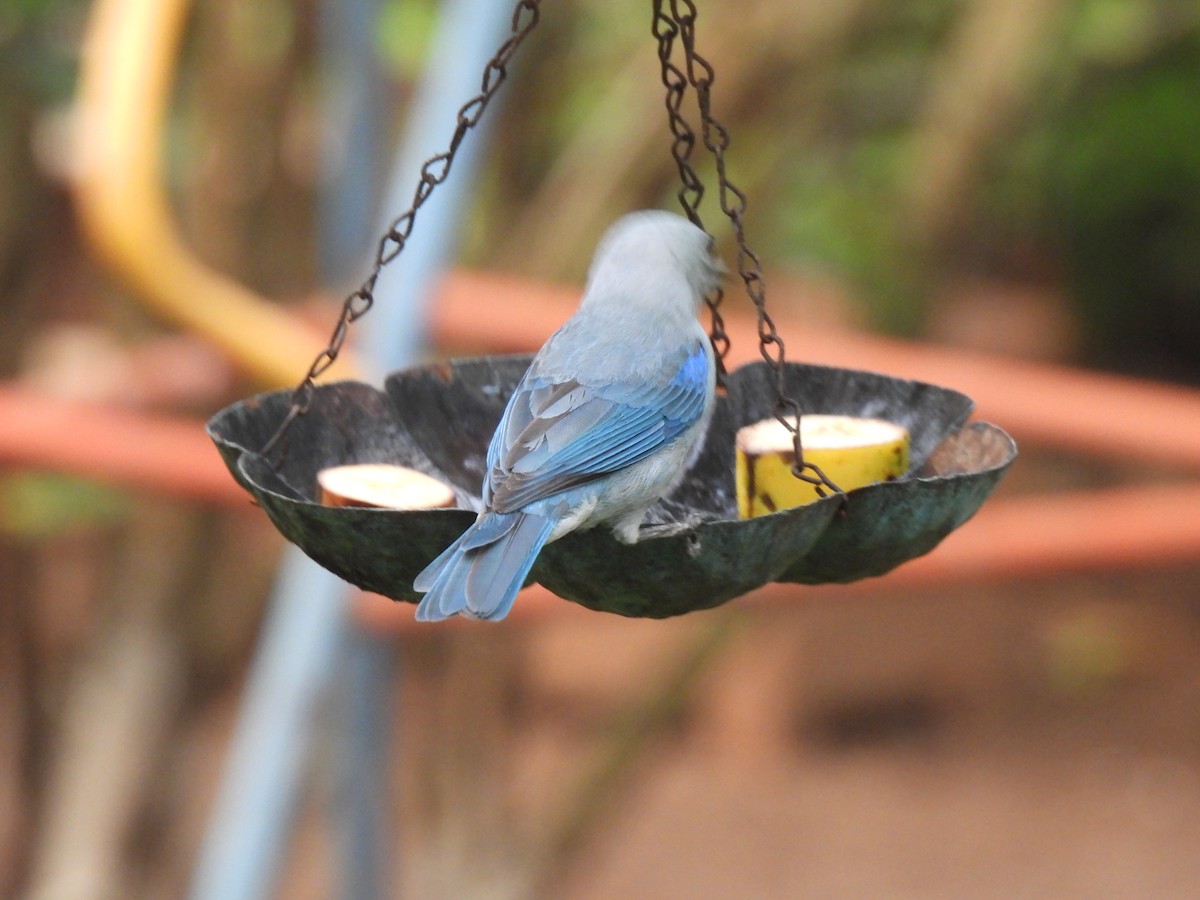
(691, 190)
(680, 24)
(434, 171)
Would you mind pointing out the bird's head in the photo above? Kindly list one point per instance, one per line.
(654, 244)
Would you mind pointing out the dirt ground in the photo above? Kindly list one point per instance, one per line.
(932, 747)
(1028, 740)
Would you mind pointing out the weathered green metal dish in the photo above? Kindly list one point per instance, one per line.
(694, 552)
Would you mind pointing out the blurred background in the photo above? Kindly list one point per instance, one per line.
(1001, 179)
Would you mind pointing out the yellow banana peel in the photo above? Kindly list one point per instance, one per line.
(852, 452)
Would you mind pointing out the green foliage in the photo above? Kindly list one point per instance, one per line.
(39, 48)
(1091, 175)
(840, 220)
(403, 35)
(1096, 176)
(1114, 32)
(38, 505)
(1120, 171)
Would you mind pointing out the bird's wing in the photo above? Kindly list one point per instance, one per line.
(556, 435)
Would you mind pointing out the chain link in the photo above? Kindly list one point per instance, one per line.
(434, 171)
(691, 191)
(679, 24)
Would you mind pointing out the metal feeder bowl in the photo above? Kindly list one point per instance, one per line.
(693, 553)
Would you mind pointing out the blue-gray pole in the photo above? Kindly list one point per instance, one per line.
(307, 622)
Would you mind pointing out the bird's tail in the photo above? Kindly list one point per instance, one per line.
(480, 573)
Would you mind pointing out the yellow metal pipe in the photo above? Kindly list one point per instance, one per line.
(126, 75)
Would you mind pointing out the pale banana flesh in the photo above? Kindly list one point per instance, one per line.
(382, 485)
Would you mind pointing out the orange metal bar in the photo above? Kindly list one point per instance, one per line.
(130, 449)
(1123, 419)
(1086, 412)
(1018, 537)
(1015, 538)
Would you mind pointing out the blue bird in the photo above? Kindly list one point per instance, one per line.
(607, 419)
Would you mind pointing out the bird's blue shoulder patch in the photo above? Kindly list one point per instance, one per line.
(693, 374)
(683, 403)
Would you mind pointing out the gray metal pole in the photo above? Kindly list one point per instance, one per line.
(307, 621)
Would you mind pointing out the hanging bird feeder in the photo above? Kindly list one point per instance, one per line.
(694, 551)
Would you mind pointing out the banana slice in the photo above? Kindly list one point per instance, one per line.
(852, 452)
(382, 485)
